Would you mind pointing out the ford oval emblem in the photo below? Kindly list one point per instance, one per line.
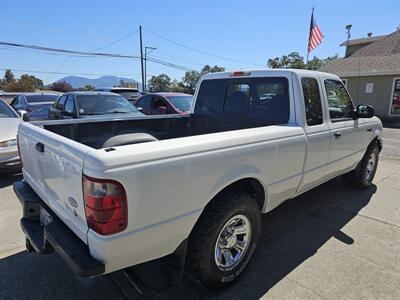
(72, 202)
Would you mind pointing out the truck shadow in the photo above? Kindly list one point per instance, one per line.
(8, 178)
(291, 234)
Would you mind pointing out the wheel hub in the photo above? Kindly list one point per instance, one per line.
(232, 242)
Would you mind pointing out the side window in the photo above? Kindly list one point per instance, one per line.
(69, 105)
(211, 96)
(61, 102)
(312, 101)
(270, 101)
(21, 100)
(339, 102)
(157, 102)
(144, 102)
(237, 98)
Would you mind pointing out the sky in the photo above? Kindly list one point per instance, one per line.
(236, 34)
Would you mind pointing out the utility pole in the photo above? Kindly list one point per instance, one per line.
(145, 63)
(141, 58)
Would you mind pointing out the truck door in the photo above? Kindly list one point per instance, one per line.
(318, 134)
(347, 135)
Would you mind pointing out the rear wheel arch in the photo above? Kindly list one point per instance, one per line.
(250, 186)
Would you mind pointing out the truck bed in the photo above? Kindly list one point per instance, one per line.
(94, 132)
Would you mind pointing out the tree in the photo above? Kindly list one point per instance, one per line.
(26, 83)
(160, 83)
(291, 61)
(177, 86)
(207, 69)
(8, 76)
(61, 86)
(89, 87)
(316, 63)
(295, 61)
(189, 81)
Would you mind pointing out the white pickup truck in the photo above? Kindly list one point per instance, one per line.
(107, 194)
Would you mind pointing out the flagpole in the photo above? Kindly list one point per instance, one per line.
(309, 35)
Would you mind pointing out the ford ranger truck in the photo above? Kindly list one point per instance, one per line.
(107, 194)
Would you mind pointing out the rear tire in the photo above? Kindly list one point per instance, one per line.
(223, 239)
(363, 175)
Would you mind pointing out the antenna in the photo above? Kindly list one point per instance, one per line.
(348, 28)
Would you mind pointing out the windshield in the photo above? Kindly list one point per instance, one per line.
(41, 98)
(6, 111)
(182, 103)
(130, 95)
(104, 104)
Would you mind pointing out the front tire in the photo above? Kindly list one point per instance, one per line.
(363, 175)
(224, 239)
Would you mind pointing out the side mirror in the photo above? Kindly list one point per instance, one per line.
(365, 111)
(24, 115)
(162, 109)
(66, 114)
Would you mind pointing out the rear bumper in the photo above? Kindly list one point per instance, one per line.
(55, 235)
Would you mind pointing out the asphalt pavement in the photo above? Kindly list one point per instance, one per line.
(333, 242)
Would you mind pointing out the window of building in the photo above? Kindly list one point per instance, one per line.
(395, 104)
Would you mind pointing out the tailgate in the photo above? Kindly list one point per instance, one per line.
(52, 165)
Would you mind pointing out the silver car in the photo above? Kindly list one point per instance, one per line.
(9, 121)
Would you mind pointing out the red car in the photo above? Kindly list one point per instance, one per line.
(164, 103)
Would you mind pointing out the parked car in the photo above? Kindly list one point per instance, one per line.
(164, 103)
(131, 94)
(109, 194)
(75, 105)
(9, 122)
(36, 105)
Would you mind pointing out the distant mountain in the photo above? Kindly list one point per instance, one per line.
(104, 81)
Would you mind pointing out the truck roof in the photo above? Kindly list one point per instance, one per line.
(265, 72)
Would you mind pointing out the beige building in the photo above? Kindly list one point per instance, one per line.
(371, 71)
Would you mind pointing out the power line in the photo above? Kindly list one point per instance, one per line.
(67, 51)
(97, 49)
(201, 51)
(168, 64)
(117, 41)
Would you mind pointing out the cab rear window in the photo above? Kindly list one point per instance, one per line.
(261, 99)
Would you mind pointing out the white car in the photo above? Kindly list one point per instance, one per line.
(9, 122)
(109, 194)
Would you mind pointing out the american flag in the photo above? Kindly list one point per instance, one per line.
(316, 35)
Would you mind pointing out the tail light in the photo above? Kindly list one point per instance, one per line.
(28, 110)
(105, 205)
(240, 73)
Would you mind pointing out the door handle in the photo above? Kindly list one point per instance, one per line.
(39, 147)
(337, 134)
(369, 129)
